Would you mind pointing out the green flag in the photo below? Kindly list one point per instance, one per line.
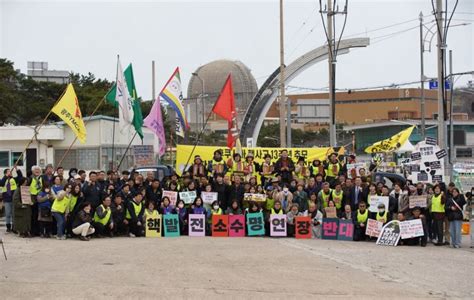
(137, 110)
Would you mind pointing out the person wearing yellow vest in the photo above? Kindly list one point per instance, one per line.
(267, 170)
(236, 166)
(382, 215)
(277, 209)
(438, 201)
(217, 166)
(36, 185)
(301, 170)
(337, 195)
(8, 186)
(332, 169)
(251, 167)
(103, 222)
(323, 196)
(60, 210)
(134, 215)
(360, 222)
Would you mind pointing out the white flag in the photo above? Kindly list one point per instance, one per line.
(124, 100)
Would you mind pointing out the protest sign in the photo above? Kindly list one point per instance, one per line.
(188, 197)
(430, 163)
(410, 229)
(208, 197)
(197, 225)
(278, 225)
(220, 225)
(331, 212)
(25, 195)
(236, 225)
(303, 227)
(255, 224)
(255, 197)
(354, 170)
(171, 225)
(431, 141)
(143, 155)
(415, 201)
(330, 229)
(441, 153)
(415, 156)
(173, 196)
(375, 201)
(437, 178)
(373, 228)
(153, 226)
(345, 230)
(390, 234)
(435, 164)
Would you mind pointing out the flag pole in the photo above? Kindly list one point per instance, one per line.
(126, 150)
(36, 130)
(75, 139)
(113, 125)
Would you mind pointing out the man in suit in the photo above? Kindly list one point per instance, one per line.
(356, 194)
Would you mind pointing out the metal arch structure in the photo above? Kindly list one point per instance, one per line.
(268, 92)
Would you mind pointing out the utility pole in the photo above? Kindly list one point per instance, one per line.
(422, 79)
(282, 97)
(451, 110)
(440, 61)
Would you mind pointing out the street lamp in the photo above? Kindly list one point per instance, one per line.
(201, 96)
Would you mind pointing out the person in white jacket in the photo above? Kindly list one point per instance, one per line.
(317, 218)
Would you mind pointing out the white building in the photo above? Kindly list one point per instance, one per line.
(53, 140)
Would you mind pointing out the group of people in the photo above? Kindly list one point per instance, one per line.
(99, 203)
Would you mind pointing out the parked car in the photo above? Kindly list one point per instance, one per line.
(389, 178)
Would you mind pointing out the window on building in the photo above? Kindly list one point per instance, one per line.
(15, 156)
(459, 137)
(463, 152)
(4, 158)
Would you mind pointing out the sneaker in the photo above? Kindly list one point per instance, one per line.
(58, 238)
(131, 235)
(63, 238)
(83, 238)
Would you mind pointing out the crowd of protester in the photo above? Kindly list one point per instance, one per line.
(100, 204)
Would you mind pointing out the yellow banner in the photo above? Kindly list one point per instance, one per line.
(391, 144)
(207, 152)
(68, 110)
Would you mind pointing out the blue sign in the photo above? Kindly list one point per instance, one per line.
(433, 84)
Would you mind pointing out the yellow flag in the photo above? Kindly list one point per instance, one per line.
(68, 110)
(391, 144)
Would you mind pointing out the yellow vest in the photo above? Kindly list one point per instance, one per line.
(105, 219)
(34, 190)
(217, 213)
(382, 218)
(330, 172)
(362, 218)
(436, 205)
(325, 197)
(280, 213)
(72, 202)
(269, 203)
(136, 207)
(218, 166)
(337, 198)
(60, 206)
(152, 215)
(12, 184)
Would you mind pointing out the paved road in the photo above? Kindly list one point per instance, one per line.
(231, 268)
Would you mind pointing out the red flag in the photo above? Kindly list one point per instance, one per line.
(225, 108)
(225, 104)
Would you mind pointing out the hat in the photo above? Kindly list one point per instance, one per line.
(77, 176)
(197, 156)
(270, 188)
(250, 154)
(381, 205)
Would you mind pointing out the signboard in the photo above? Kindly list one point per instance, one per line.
(435, 164)
(415, 201)
(236, 226)
(431, 141)
(153, 226)
(430, 163)
(171, 225)
(303, 227)
(329, 231)
(437, 178)
(390, 234)
(255, 225)
(354, 170)
(208, 197)
(188, 197)
(197, 224)
(331, 212)
(345, 231)
(415, 156)
(143, 155)
(220, 225)
(375, 201)
(173, 196)
(433, 84)
(441, 153)
(410, 229)
(255, 197)
(278, 225)
(25, 195)
(373, 228)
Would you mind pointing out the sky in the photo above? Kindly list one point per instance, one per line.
(86, 36)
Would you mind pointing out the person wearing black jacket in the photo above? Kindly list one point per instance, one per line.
(221, 189)
(154, 192)
(134, 215)
(118, 215)
(356, 194)
(454, 213)
(236, 191)
(82, 222)
(92, 191)
(284, 167)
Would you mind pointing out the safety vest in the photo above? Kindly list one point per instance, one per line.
(269, 203)
(217, 213)
(12, 182)
(218, 166)
(362, 218)
(267, 170)
(333, 170)
(105, 219)
(325, 197)
(237, 166)
(275, 213)
(72, 202)
(250, 168)
(136, 207)
(60, 206)
(36, 186)
(436, 205)
(302, 172)
(153, 215)
(337, 198)
(381, 218)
